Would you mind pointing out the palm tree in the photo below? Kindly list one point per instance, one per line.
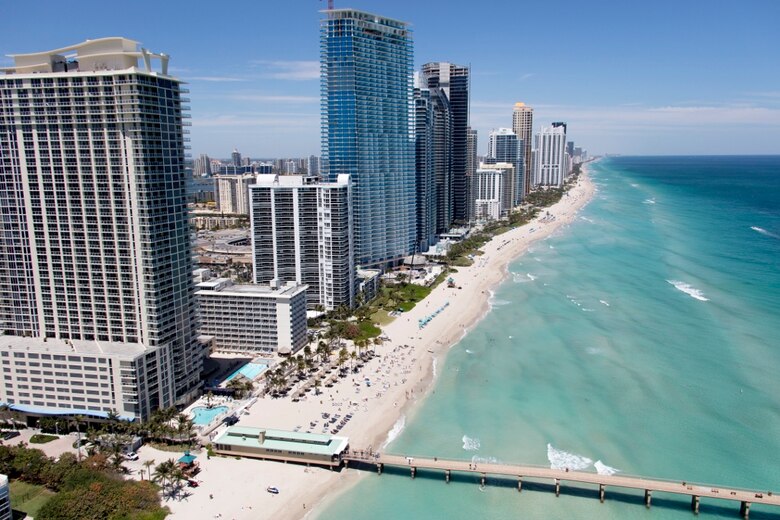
(317, 387)
(176, 477)
(209, 399)
(343, 356)
(184, 428)
(148, 465)
(163, 472)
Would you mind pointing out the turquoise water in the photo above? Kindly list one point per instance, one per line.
(202, 415)
(643, 336)
(250, 371)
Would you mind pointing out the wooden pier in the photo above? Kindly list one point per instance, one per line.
(482, 470)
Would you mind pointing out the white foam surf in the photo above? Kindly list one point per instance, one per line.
(648, 201)
(395, 431)
(603, 469)
(593, 351)
(520, 278)
(689, 290)
(604, 302)
(433, 368)
(586, 219)
(530, 276)
(764, 232)
(468, 351)
(476, 459)
(470, 444)
(560, 459)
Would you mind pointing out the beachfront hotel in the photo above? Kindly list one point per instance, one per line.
(503, 147)
(97, 304)
(366, 84)
(302, 232)
(523, 127)
(253, 318)
(550, 157)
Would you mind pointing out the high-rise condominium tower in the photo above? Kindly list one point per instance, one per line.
(95, 256)
(453, 81)
(366, 63)
(503, 147)
(523, 127)
(551, 164)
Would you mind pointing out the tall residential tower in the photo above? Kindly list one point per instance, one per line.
(96, 288)
(367, 128)
(523, 127)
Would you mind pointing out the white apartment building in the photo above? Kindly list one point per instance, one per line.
(232, 193)
(550, 163)
(489, 192)
(253, 318)
(302, 233)
(95, 257)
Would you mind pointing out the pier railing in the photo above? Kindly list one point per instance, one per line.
(696, 491)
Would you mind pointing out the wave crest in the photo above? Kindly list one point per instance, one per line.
(764, 232)
(470, 444)
(560, 459)
(603, 469)
(395, 431)
(688, 289)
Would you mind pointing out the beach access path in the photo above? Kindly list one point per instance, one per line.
(399, 376)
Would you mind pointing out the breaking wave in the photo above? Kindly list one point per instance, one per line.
(764, 231)
(395, 431)
(603, 469)
(689, 290)
(560, 459)
(470, 444)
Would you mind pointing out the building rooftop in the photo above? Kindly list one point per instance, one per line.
(310, 443)
(102, 54)
(75, 346)
(226, 287)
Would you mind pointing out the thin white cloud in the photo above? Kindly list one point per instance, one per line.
(289, 70)
(276, 123)
(217, 79)
(271, 98)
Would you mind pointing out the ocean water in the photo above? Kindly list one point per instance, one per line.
(644, 338)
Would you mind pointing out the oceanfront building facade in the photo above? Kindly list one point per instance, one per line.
(453, 82)
(503, 147)
(489, 195)
(302, 232)
(253, 318)
(551, 164)
(95, 257)
(367, 128)
(523, 127)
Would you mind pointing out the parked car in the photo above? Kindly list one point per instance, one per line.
(10, 435)
(230, 420)
(131, 456)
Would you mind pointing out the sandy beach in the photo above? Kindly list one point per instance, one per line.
(400, 376)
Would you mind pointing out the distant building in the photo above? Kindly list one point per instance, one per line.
(302, 232)
(503, 147)
(95, 255)
(489, 195)
(202, 166)
(235, 158)
(523, 127)
(232, 193)
(253, 318)
(551, 166)
(264, 168)
(367, 64)
(472, 164)
(313, 167)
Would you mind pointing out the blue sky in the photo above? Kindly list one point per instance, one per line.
(666, 77)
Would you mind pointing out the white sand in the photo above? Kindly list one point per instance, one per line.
(400, 377)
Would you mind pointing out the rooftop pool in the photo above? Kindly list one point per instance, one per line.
(202, 415)
(250, 371)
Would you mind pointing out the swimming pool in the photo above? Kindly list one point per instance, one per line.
(203, 416)
(249, 371)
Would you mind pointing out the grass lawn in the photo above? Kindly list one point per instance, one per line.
(42, 438)
(368, 329)
(28, 498)
(382, 317)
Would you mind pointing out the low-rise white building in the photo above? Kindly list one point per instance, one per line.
(78, 377)
(253, 318)
(489, 193)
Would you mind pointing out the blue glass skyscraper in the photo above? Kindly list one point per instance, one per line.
(368, 130)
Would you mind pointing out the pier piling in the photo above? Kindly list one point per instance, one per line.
(648, 497)
(601, 493)
(519, 484)
(447, 476)
(379, 468)
(557, 487)
(695, 504)
(744, 510)
(483, 479)
(414, 471)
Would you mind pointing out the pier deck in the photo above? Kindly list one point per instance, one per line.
(520, 472)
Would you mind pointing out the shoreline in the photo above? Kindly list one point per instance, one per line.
(401, 376)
